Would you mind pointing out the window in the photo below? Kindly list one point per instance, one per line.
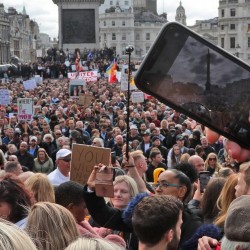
(147, 48)
(111, 3)
(105, 36)
(248, 42)
(147, 36)
(137, 37)
(123, 23)
(232, 26)
(232, 12)
(104, 23)
(248, 28)
(222, 13)
(123, 37)
(113, 36)
(113, 23)
(222, 42)
(232, 42)
(222, 27)
(126, 3)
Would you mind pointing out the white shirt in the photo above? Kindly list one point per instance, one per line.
(56, 177)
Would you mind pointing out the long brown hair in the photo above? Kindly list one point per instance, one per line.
(227, 195)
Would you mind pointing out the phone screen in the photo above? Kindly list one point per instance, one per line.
(199, 79)
(204, 178)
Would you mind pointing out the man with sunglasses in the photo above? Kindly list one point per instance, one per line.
(62, 172)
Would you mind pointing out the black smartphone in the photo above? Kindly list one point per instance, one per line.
(204, 177)
(200, 80)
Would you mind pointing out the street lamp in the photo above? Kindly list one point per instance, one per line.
(237, 50)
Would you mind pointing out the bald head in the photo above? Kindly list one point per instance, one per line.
(197, 162)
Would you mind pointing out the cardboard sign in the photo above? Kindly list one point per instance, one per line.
(29, 84)
(4, 97)
(25, 109)
(84, 158)
(85, 100)
(137, 97)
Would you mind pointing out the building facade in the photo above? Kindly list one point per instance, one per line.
(131, 25)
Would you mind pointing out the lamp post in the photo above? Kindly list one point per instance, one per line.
(128, 50)
(237, 50)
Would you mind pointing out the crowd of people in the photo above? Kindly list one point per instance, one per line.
(157, 203)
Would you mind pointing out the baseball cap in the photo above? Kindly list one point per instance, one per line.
(133, 127)
(146, 133)
(33, 138)
(179, 137)
(62, 153)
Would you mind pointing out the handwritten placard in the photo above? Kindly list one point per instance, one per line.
(25, 109)
(29, 84)
(85, 100)
(137, 97)
(84, 158)
(4, 97)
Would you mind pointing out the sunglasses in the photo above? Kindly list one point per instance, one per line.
(212, 159)
(58, 134)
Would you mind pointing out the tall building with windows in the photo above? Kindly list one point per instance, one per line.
(234, 27)
(122, 25)
(181, 15)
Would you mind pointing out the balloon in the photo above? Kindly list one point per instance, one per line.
(233, 149)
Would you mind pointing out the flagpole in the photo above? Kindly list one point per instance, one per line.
(129, 49)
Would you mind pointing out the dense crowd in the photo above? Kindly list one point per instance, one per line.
(158, 202)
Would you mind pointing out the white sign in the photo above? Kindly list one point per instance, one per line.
(39, 53)
(124, 79)
(29, 84)
(137, 97)
(25, 109)
(88, 76)
(38, 79)
(4, 97)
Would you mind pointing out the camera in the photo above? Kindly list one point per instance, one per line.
(129, 49)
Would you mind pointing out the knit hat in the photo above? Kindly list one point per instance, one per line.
(237, 226)
(155, 138)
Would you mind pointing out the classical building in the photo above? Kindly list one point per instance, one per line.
(234, 27)
(181, 15)
(130, 25)
(230, 30)
(4, 36)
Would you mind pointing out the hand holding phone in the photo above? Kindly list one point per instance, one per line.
(204, 177)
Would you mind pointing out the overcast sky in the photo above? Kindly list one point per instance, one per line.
(45, 12)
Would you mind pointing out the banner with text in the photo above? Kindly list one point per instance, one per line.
(25, 109)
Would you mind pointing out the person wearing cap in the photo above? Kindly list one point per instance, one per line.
(156, 143)
(33, 147)
(146, 142)
(62, 172)
(133, 135)
(180, 142)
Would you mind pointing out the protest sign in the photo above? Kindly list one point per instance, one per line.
(25, 109)
(76, 86)
(88, 76)
(124, 79)
(137, 97)
(29, 84)
(4, 97)
(85, 100)
(84, 158)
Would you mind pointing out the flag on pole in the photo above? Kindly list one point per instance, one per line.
(112, 75)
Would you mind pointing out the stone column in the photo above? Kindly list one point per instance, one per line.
(78, 23)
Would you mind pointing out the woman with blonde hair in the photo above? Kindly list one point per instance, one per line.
(227, 195)
(125, 188)
(93, 244)
(43, 163)
(40, 188)
(13, 238)
(51, 226)
(212, 164)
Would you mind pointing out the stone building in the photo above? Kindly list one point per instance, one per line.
(4, 36)
(130, 25)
